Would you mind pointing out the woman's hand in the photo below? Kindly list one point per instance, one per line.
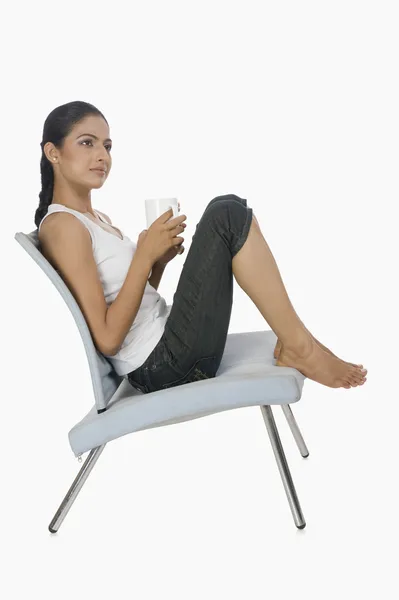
(169, 254)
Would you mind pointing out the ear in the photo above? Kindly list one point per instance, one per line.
(51, 152)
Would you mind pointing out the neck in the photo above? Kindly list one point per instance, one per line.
(74, 197)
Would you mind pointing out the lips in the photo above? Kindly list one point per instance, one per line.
(102, 170)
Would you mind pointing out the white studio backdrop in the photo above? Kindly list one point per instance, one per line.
(293, 106)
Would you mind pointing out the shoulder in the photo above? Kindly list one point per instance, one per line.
(61, 228)
(57, 222)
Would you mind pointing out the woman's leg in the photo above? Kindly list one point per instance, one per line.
(195, 333)
(227, 240)
(278, 347)
(257, 273)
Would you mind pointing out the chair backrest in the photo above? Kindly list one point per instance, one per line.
(104, 378)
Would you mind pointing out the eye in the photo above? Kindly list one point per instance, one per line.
(108, 146)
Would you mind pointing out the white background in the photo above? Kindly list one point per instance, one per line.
(293, 106)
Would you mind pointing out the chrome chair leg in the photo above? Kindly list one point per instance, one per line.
(283, 466)
(295, 430)
(267, 413)
(75, 488)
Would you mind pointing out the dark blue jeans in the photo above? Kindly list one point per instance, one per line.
(192, 345)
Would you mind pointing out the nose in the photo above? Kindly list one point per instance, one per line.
(103, 157)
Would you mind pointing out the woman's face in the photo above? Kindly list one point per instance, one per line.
(87, 147)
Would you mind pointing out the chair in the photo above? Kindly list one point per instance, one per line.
(247, 376)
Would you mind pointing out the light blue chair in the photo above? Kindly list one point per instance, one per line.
(247, 376)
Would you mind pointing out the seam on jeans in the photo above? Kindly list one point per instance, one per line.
(199, 374)
(245, 231)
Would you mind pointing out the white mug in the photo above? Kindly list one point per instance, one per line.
(155, 207)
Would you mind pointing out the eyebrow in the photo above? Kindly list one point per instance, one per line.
(93, 136)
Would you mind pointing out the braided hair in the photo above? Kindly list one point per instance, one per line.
(57, 126)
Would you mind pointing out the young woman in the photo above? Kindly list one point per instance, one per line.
(115, 280)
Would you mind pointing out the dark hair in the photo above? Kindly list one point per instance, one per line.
(57, 126)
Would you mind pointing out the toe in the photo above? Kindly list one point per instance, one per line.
(359, 373)
(353, 378)
(358, 376)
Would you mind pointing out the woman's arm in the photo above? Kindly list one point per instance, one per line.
(156, 275)
(157, 269)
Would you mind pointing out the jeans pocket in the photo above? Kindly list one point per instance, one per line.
(142, 387)
(159, 357)
(204, 368)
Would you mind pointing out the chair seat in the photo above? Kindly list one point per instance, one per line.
(247, 376)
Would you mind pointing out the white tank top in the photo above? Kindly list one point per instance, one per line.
(113, 256)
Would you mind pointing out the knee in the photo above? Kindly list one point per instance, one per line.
(226, 198)
(227, 212)
(224, 206)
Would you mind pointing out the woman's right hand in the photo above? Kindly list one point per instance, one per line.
(161, 236)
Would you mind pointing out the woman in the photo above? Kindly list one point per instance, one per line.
(115, 280)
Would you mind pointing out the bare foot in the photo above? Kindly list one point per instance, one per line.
(316, 364)
(279, 345)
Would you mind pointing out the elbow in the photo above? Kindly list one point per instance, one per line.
(107, 344)
(109, 348)
(108, 351)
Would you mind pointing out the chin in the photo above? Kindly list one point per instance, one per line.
(96, 186)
